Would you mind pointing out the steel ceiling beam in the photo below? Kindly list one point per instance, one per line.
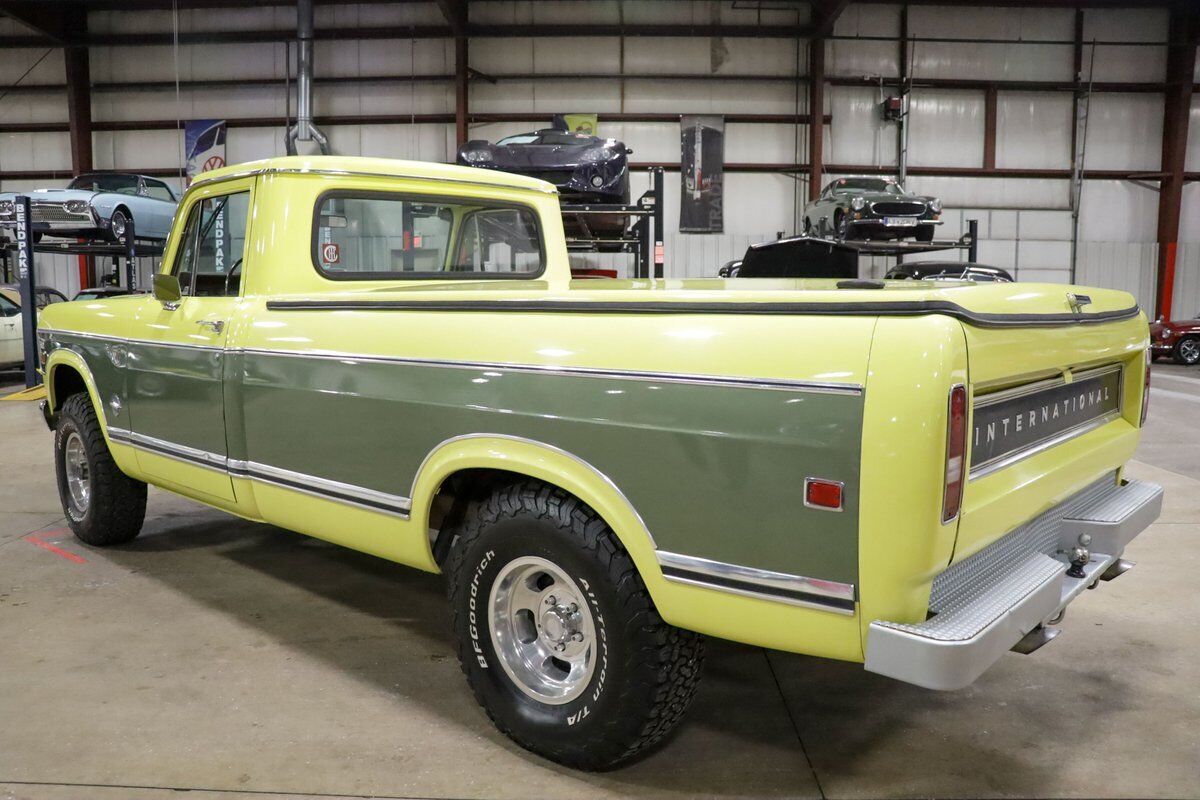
(60, 23)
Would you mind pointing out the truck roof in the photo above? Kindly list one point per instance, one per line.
(389, 167)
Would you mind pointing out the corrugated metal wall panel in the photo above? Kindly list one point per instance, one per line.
(1189, 217)
(860, 136)
(1114, 63)
(975, 60)
(1186, 296)
(946, 128)
(1124, 131)
(1033, 130)
(1118, 210)
(1129, 266)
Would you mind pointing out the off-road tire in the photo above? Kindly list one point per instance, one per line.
(645, 677)
(1187, 351)
(117, 506)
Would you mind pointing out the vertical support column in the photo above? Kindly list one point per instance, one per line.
(460, 91)
(816, 116)
(131, 265)
(902, 126)
(659, 254)
(990, 101)
(973, 245)
(79, 116)
(27, 277)
(1184, 35)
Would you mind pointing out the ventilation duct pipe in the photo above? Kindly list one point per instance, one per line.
(304, 130)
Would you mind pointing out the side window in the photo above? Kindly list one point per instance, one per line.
(498, 240)
(8, 308)
(158, 190)
(379, 236)
(214, 242)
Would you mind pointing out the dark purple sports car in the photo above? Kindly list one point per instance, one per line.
(586, 169)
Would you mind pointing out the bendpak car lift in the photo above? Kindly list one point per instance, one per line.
(130, 249)
(644, 237)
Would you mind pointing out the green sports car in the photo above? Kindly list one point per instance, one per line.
(871, 208)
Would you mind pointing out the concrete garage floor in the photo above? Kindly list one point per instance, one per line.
(226, 658)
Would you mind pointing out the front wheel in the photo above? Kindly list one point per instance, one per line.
(925, 233)
(119, 225)
(841, 226)
(556, 632)
(1187, 351)
(103, 505)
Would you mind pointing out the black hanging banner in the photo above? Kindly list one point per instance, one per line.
(702, 174)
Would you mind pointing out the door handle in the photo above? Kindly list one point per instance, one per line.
(214, 325)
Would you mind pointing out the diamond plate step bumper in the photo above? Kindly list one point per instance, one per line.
(985, 604)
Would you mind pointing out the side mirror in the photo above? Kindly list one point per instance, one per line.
(628, 151)
(166, 288)
(1161, 319)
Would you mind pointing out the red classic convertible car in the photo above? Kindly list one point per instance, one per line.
(1179, 339)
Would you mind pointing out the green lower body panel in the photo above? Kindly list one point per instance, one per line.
(715, 469)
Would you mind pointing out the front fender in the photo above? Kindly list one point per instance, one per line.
(63, 358)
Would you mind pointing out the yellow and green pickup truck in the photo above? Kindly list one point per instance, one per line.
(393, 356)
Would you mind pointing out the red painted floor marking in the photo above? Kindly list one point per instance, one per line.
(33, 538)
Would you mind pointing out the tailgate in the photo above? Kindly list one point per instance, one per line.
(1053, 409)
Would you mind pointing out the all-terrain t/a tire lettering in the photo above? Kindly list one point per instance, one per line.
(584, 671)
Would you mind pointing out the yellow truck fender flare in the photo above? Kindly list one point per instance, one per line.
(69, 358)
(545, 462)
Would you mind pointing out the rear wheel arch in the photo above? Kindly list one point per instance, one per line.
(466, 467)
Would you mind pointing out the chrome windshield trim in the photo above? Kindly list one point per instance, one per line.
(775, 384)
(758, 583)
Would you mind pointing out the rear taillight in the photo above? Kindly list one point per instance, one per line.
(956, 452)
(1146, 390)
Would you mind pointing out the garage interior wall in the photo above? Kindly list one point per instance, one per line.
(1025, 223)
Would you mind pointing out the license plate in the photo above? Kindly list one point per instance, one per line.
(899, 222)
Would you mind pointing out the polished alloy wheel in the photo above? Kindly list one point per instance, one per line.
(542, 630)
(1189, 351)
(78, 475)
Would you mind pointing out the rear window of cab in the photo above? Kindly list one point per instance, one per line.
(367, 235)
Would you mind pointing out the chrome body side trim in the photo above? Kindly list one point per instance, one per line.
(321, 487)
(264, 473)
(779, 384)
(984, 400)
(128, 340)
(758, 583)
(732, 381)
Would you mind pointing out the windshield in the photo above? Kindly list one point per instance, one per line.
(121, 184)
(868, 185)
(549, 138)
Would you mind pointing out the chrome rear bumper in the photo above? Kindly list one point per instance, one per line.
(985, 604)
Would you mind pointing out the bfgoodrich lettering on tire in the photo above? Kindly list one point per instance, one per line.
(557, 634)
(103, 505)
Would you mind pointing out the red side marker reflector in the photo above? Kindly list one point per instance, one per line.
(823, 494)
